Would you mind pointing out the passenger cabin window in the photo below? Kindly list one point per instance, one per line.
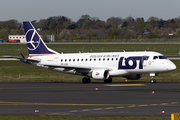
(73, 59)
(90, 59)
(86, 59)
(162, 57)
(77, 59)
(65, 60)
(155, 57)
(61, 60)
(116, 58)
(69, 60)
(112, 59)
(107, 59)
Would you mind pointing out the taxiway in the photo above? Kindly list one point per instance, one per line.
(94, 99)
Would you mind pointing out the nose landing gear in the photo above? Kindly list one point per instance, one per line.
(153, 80)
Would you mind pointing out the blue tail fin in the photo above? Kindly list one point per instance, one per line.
(35, 44)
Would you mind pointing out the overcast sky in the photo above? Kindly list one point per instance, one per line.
(23, 10)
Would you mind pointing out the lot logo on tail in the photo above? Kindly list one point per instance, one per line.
(33, 40)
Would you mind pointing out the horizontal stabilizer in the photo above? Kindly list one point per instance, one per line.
(21, 58)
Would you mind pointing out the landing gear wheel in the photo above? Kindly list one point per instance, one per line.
(153, 81)
(86, 80)
(109, 80)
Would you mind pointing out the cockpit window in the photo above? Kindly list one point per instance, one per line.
(155, 57)
(162, 57)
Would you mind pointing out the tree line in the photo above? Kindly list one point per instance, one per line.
(113, 27)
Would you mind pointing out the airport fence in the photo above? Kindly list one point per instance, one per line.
(118, 40)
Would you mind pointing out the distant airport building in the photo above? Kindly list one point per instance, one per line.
(21, 38)
(48, 38)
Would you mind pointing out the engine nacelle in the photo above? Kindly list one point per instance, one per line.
(133, 76)
(99, 74)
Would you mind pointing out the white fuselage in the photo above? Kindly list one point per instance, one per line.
(117, 63)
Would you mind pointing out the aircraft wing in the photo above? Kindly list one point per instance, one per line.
(74, 67)
(67, 66)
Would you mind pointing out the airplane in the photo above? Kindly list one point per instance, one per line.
(99, 66)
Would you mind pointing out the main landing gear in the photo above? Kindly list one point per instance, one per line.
(86, 80)
(109, 80)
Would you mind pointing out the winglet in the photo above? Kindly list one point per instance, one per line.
(25, 60)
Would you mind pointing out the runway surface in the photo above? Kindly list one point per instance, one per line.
(94, 99)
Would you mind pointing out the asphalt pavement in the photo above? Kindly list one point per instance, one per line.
(132, 98)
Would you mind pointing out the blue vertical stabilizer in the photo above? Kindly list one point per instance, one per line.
(35, 44)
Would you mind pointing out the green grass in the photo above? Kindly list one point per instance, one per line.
(79, 118)
(166, 49)
(18, 71)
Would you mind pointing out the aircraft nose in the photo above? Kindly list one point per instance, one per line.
(172, 66)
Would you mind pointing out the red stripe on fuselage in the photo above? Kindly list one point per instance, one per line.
(40, 55)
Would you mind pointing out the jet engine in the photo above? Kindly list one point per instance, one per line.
(99, 74)
(133, 76)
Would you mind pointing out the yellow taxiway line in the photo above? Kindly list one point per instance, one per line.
(60, 104)
(127, 85)
(110, 105)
